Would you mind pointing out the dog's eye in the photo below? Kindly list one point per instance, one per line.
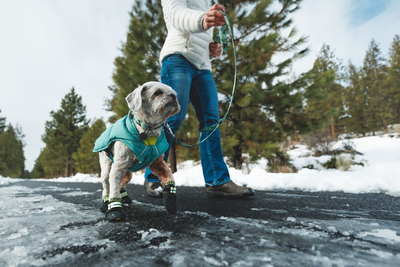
(158, 92)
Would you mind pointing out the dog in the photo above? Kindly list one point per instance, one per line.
(135, 142)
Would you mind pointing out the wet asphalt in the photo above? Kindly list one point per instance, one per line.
(272, 228)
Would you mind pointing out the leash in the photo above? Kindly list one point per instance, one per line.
(222, 39)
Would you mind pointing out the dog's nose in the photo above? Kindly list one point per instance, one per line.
(173, 96)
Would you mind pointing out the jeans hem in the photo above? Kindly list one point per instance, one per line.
(216, 183)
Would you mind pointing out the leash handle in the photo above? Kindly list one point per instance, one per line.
(222, 39)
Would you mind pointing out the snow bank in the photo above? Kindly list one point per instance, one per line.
(7, 180)
(380, 174)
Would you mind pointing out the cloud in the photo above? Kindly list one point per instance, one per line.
(46, 48)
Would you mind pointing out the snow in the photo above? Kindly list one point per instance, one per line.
(381, 158)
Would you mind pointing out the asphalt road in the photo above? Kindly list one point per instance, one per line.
(273, 228)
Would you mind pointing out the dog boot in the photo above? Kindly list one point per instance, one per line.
(125, 198)
(104, 205)
(114, 212)
(169, 197)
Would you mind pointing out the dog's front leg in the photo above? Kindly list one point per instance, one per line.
(160, 168)
(118, 171)
(126, 179)
(123, 159)
(105, 164)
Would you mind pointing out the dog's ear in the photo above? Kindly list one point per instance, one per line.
(134, 99)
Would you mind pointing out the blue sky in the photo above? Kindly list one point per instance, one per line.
(362, 11)
(49, 46)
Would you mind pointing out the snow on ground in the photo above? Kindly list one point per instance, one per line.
(381, 158)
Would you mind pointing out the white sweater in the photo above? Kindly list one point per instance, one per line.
(186, 35)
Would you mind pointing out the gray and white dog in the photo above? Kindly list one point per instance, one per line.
(150, 106)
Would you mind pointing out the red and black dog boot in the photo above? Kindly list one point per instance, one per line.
(169, 197)
(125, 198)
(114, 212)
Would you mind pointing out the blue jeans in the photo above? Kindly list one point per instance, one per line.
(198, 87)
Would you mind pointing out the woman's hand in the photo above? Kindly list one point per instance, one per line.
(215, 49)
(213, 17)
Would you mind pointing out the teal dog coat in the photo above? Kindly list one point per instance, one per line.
(124, 130)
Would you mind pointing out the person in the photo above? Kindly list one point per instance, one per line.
(186, 67)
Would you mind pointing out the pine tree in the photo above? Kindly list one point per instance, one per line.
(355, 99)
(328, 108)
(86, 160)
(62, 135)
(266, 109)
(373, 80)
(12, 159)
(38, 170)
(2, 124)
(138, 63)
(393, 80)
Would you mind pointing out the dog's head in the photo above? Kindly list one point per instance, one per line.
(153, 103)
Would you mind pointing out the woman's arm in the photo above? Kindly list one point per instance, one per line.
(189, 20)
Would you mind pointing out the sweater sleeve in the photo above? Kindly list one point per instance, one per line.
(181, 17)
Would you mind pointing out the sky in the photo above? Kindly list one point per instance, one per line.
(49, 46)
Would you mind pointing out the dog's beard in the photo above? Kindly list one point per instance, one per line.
(169, 107)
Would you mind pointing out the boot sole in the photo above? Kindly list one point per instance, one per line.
(170, 203)
(115, 215)
(218, 194)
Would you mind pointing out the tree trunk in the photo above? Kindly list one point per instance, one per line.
(333, 128)
(385, 126)
(172, 158)
(295, 133)
(67, 168)
(237, 157)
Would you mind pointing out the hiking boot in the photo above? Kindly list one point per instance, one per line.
(153, 189)
(104, 206)
(114, 212)
(169, 197)
(125, 198)
(229, 190)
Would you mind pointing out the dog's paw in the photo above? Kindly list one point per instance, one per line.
(169, 197)
(114, 212)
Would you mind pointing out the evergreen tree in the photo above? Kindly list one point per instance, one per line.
(393, 80)
(62, 135)
(266, 109)
(329, 107)
(138, 63)
(86, 160)
(12, 159)
(355, 99)
(373, 80)
(39, 167)
(2, 124)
